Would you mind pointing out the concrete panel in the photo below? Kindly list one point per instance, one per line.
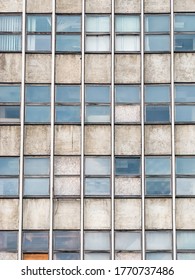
(127, 213)
(156, 6)
(157, 68)
(68, 6)
(8, 6)
(127, 113)
(97, 140)
(67, 185)
(9, 212)
(158, 213)
(127, 6)
(184, 6)
(38, 68)
(127, 186)
(8, 256)
(127, 140)
(10, 140)
(37, 6)
(127, 68)
(185, 209)
(36, 213)
(184, 67)
(68, 68)
(157, 139)
(67, 139)
(66, 165)
(185, 139)
(10, 67)
(97, 68)
(97, 214)
(128, 256)
(98, 6)
(67, 214)
(37, 140)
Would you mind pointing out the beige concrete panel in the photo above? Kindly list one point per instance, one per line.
(69, 165)
(185, 209)
(36, 213)
(97, 139)
(158, 213)
(157, 68)
(39, 6)
(127, 186)
(127, 6)
(67, 139)
(184, 67)
(37, 140)
(127, 140)
(156, 6)
(10, 67)
(157, 139)
(127, 68)
(8, 6)
(67, 214)
(67, 185)
(97, 68)
(127, 113)
(97, 214)
(68, 6)
(127, 213)
(184, 6)
(128, 256)
(98, 6)
(68, 68)
(38, 68)
(185, 139)
(10, 140)
(8, 256)
(9, 214)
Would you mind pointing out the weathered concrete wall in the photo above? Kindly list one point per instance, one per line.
(10, 67)
(8, 6)
(67, 139)
(156, 6)
(185, 139)
(69, 165)
(68, 6)
(67, 214)
(38, 68)
(9, 214)
(157, 139)
(8, 256)
(158, 213)
(127, 113)
(97, 214)
(184, 6)
(10, 140)
(37, 139)
(157, 68)
(127, 186)
(127, 214)
(128, 256)
(97, 68)
(37, 6)
(127, 68)
(184, 67)
(185, 209)
(127, 6)
(127, 140)
(36, 213)
(98, 6)
(67, 185)
(97, 140)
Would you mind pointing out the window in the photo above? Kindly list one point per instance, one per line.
(10, 33)
(185, 165)
(186, 245)
(9, 166)
(39, 33)
(8, 241)
(127, 241)
(127, 166)
(126, 94)
(68, 33)
(97, 186)
(97, 166)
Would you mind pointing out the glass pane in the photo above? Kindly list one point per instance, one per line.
(127, 166)
(97, 114)
(37, 94)
(97, 241)
(186, 256)
(35, 241)
(9, 113)
(97, 186)
(38, 42)
(157, 94)
(68, 24)
(184, 23)
(97, 94)
(40, 23)
(9, 166)
(97, 23)
(126, 23)
(127, 241)
(38, 114)
(158, 256)
(10, 43)
(127, 94)
(157, 23)
(10, 23)
(185, 186)
(67, 256)
(97, 43)
(68, 114)
(158, 166)
(97, 256)
(35, 257)
(8, 241)
(157, 114)
(184, 42)
(68, 43)
(185, 166)
(185, 93)
(158, 186)
(67, 94)
(127, 43)
(36, 166)
(185, 113)
(36, 186)
(158, 240)
(9, 93)
(157, 43)
(66, 240)
(186, 240)
(97, 166)
(9, 186)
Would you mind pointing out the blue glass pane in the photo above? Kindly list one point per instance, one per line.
(157, 94)
(68, 94)
(97, 186)
(158, 186)
(9, 93)
(9, 113)
(68, 43)
(8, 241)
(158, 166)
(9, 186)
(157, 114)
(9, 166)
(97, 23)
(184, 42)
(66, 256)
(38, 42)
(37, 114)
(68, 24)
(10, 23)
(159, 256)
(185, 256)
(11, 43)
(97, 256)
(97, 166)
(127, 94)
(185, 165)
(126, 23)
(185, 93)
(184, 23)
(127, 166)
(157, 43)
(36, 186)
(185, 186)
(97, 241)
(127, 241)
(186, 240)
(68, 114)
(35, 241)
(185, 113)
(40, 23)
(157, 23)
(36, 166)
(97, 94)
(97, 114)
(37, 94)
(66, 240)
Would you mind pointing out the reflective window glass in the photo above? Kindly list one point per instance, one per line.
(37, 94)
(184, 113)
(97, 94)
(157, 23)
(186, 240)
(8, 186)
(185, 186)
(185, 256)
(66, 256)
(159, 256)
(158, 186)
(97, 43)
(97, 241)
(157, 113)
(127, 23)
(39, 23)
(68, 43)
(35, 241)
(158, 240)
(66, 240)
(8, 241)
(39, 42)
(9, 93)
(11, 43)
(184, 22)
(68, 114)
(9, 166)
(155, 43)
(127, 94)
(185, 93)
(184, 43)
(36, 186)
(97, 186)
(97, 23)
(185, 166)
(97, 114)
(158, 166)
(67, 94)
(157, 94)
(97, 256)
(97, 166)
(67, 23)
(36, 166)
(127, 166)
(38, 114)
(127, 43)
(9, 113)
(10, 23)
(127, 241)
